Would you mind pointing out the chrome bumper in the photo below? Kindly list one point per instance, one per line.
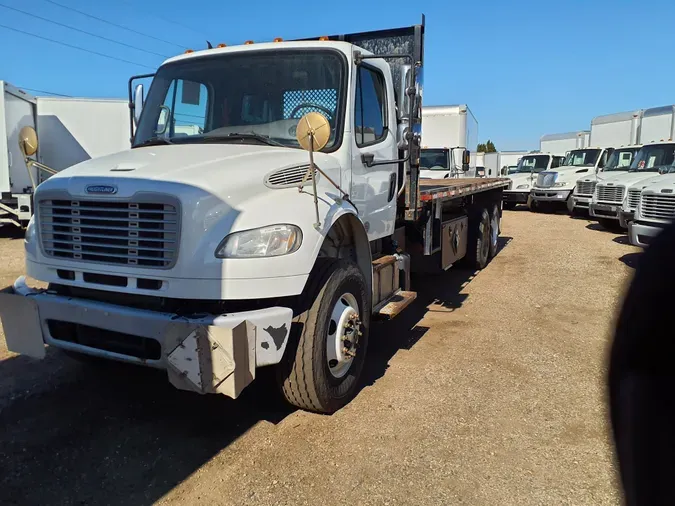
(550, 194)
(581, 201)
(641, 234)
(625, 217)
(203, 353)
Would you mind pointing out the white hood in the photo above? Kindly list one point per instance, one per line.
(233, 172)
(625, 178)
(657, 183)
(522, 179)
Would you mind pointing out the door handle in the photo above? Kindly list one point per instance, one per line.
(392, 186)
(367, 159)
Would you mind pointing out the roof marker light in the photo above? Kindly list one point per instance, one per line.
(323, 37)
(187, 51)
(248, 42)
(221, 45)
(278, 39)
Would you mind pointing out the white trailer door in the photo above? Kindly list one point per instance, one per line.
(18, 114)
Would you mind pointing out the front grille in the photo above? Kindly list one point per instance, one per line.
(633, 199)
(585, 188)
(546, 179)
(613, 194)
(139, 234)
(658, 207)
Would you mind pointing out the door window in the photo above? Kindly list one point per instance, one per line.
(370, 118)
(184, 109)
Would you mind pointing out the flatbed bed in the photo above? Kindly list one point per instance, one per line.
(432, 189)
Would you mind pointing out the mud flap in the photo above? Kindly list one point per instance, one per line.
(211, 359)
(21, 324)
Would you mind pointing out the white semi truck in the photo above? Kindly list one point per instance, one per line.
(71, 130)
(210, 255)
(449, 133)
(655, 211)
(555, 187)
(523, 179)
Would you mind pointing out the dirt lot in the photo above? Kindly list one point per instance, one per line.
(489, 390)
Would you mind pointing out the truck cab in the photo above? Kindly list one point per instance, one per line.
(557, 186)
(655, 210)
(525, 175)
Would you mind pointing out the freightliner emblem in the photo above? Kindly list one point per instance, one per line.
(101, 189)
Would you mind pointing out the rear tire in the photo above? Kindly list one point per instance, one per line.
(495, 229)
(478, 250)
(315, 374)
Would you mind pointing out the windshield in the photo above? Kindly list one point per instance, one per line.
(582, 158)
(434, 159)
(533, 163)
(620, 159)
(253, 93)
(654, 157)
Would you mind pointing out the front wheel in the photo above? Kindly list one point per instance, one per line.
(321, 370)
(570, 205)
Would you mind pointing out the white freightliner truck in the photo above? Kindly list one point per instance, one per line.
(449, 133)
(655, 211)
(211, 255)
(610, 130)
(71, 130)
(523, 179)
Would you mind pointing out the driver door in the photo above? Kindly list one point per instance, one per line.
(374, 122)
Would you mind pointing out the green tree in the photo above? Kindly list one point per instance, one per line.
(487, 147)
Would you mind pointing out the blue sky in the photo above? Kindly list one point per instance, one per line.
(525, 68)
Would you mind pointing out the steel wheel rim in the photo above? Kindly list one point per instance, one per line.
(485, 246)
(494, 232)
(342, 337)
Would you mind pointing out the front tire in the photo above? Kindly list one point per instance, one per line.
(532, 205)
(570, 206)
(321, 369)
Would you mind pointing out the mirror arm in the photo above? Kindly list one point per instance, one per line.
(32, 163)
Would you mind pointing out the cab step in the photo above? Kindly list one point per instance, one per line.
(393, 305)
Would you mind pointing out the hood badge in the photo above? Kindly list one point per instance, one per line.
(101, 189)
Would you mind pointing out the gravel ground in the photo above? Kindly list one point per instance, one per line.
(488, 390)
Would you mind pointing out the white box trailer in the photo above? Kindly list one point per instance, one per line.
(448, 130)
(71, 130)
(560, 144)
(657, 124)
(614, 130)
(509, 160)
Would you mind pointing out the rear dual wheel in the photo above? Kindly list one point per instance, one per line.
(483, 236)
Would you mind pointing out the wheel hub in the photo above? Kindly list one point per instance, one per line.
(344, 330)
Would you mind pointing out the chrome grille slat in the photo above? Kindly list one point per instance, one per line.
(585, 188)
(612, 194)
(633, 199)
(660, 207)
(139, 234)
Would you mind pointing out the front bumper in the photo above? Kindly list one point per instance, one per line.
(516, 196)
(582, 201)
(550, 194)
(642, 234)
(203, 353)
(609, 211)
(625, 217)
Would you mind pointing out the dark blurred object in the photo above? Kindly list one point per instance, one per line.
(642, 378)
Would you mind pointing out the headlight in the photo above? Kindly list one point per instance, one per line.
(272, 241)
(558, 185)
(30, 230)
(522, 186)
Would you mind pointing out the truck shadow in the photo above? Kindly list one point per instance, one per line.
(74, 433)
(9, 231)
(631, 259)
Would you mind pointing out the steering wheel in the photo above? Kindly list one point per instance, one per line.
(307, 105)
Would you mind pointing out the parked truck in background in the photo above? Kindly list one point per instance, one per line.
(649, 163)
(658, 125)
(211, 255)
(655, 210)
(449, 132)
(556, 187)
(523, 179)
(564, 142)
(71, 130)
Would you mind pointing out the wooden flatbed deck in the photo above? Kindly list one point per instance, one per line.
(432, 189)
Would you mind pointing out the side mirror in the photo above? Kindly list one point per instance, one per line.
(466, 160)
(163, 120)
(28, 141)
(138, 102)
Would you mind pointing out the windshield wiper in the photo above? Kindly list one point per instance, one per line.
(154, 141)
(246, 136)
